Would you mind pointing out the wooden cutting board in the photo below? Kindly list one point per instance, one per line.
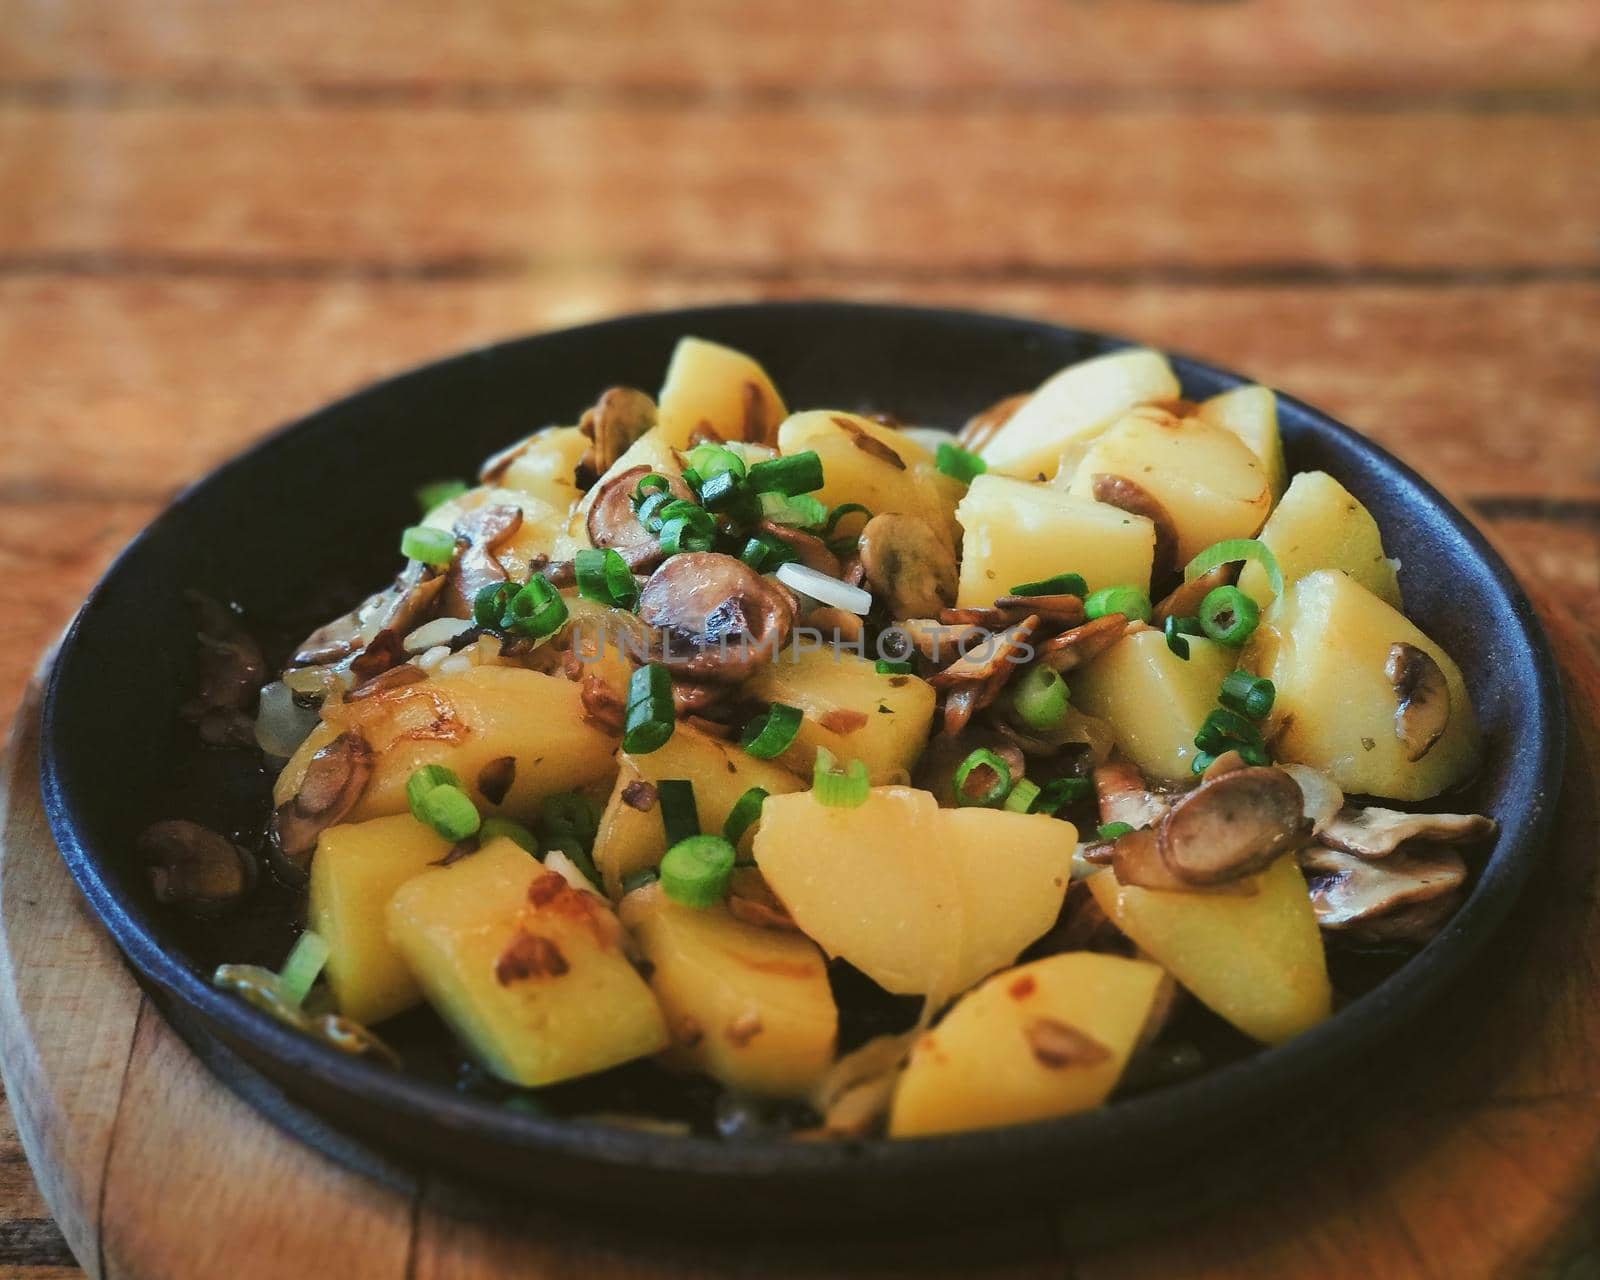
(1483, 1160)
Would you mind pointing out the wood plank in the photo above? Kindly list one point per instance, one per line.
(833, 45)
(795, 190)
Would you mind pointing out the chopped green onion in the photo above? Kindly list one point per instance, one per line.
(764, 553)
(1040, 698)
(801, 511)
(424, 780)
(490, 604)
(649, 484)
(841, 511)
(773, 732)
(1254, 753)
(1022, 796)
(721, 491)
(1247, 694)
(958, 463)
(435, 494)
(649, 511)
(1128, 601)
(1178, 630)
(712, 460)
(844, 548)
(649, 719)
(449, 811)
(537, 609)
(304, 965)
(680, 817)
(685, 534)
(1063, 584)
(494, 827)
(886, 668)
(1112, 830)
(987, 770)
(796, 474)
(696, 871)
(1228, 615)
(1203, 761)
(1225, 730)
(746, 809)
(1061, 792)
(431, 546)
(605, 576)
(1232, 550)
(839, 790)
(570, 821)
(639, 879)
(691, 477)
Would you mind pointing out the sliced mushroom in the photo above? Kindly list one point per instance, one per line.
(694, 697)
(1227, 762)
(193, 866)
(612, 521)
(908, 565)
(1123, 796)
(836, 626)
(935, 640)
(1184, 601)
(1058, 1045)
(812, 550)
(386, 650)
(718, 618)
(868, 443)
(1321, 796)
(1053, 611)
(1071, 649)
(1135, 499)
(333, 782)
(1423, 696)
(981, 427)
(264, 989)
(1377, 833)
(641, 557)
(1402, 898)
(401, 607)
(1233, 826)
(479, 534)
(995, 657)
(230, 675)
(603, 706)
(619, 418)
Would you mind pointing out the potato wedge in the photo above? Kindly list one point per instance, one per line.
(1319, 524)
(547, 467)
(1251, 413)
(708, 385)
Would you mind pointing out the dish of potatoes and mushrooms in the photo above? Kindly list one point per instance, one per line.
(714, 767)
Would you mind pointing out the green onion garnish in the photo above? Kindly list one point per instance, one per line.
(840, 512)
(537, 609)
(712, 460)
(691, 477)
(686, 534)
(1225, 730)
(773, 732)
(1112, 830)
(1128, 601)
(1061, 792)
(605, 576)
(886, 668)
(649, 511)
(986, 770)
(494, 827)
(1178, 630)
(304, 965)
(1063, 584)
(490, 604)
(1228, 615)
(649, 719)
(1232, 550)
(956, 462)
(570, 821)
(1040, 698)
(847, 789)
(1247, 694)
(722, 492)
(639, 879)
(648, 484)
(1022, 796)
(680, 817)
(764, 553)
(798, 512)
(424, 780)
(696, 871)
(746, 809)
(449, 811)
(796, 474)
(431, 546)
(434, 495)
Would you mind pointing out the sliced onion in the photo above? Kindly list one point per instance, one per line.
(439, 631)
(823, 589)
(281, 724)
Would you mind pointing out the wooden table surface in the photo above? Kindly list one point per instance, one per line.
(217, 214)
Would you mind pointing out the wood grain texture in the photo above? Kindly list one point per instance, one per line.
(692, 190)
(841, 46)
(1479, 1162)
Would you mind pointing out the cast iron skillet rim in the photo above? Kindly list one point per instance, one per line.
(1342, 1038)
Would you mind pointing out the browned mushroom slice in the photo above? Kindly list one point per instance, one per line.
(479, 534)
(193, 866)
(1135, 858)
(402, 608)
(383, 652)
(1071, 649)
(231, 672)
(603, 706)
(1423, 697)
(869, 444)
(960, 705)
(1053, 611)
(908, 565)
(1321, 797)
(618, 418)
(812, 550)
(334, 780)
(717, 617)
(641, 557)
(835, 626)
(1058, 1046)
(1377, 833)
(612, 521)
(1120, 789)
(980, 428)
(694, 697)
(1402, 898)
(987, 618)
(938, 641)
(1233, 826)
(1126, 495)
(994, 656)
(1184, 601)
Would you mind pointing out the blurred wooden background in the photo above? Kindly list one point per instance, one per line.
(217, 214)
